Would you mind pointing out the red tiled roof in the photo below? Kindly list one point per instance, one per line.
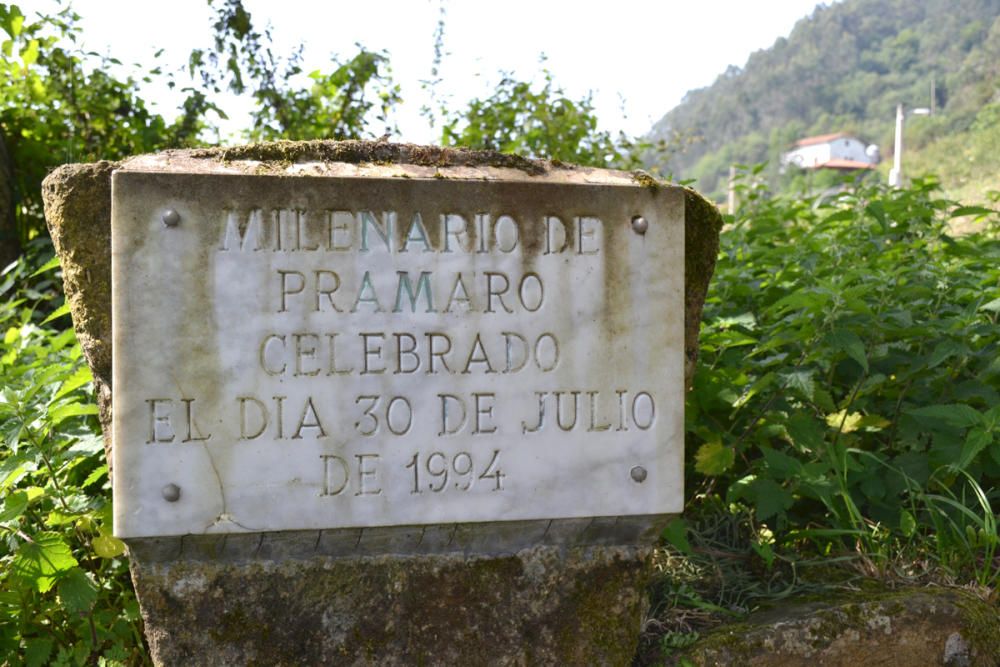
(819, 139)
(842, 164)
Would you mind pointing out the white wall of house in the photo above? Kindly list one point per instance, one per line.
(841, 148)
(808, 156)
(848, 148)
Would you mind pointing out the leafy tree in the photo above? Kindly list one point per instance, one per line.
(61, 105)
(538, 122)
(337, 105)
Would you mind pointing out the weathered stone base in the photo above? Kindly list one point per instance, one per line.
(910, 627)
(542, 605)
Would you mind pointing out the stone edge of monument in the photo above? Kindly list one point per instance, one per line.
(488, 538)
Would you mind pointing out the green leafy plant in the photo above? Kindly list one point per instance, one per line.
(848, 386)
(539, 122)
(65, 596)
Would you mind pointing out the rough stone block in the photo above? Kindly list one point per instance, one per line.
(536, 592)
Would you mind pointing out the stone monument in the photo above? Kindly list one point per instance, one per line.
(369, 403)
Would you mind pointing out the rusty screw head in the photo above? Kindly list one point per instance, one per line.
(638, 474)
(639, 224)
(171, 218)
(171, 493)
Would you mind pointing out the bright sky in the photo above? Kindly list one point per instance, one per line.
(637, 57)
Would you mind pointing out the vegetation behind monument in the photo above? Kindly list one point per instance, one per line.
(846, 404)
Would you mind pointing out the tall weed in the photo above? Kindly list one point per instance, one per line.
(65, 596)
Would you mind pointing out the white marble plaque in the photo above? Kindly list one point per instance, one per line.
(334, 352)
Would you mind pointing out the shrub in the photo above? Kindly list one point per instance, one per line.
(849, 383)
(65, 596)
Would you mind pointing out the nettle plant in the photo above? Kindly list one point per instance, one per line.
(849, 383)
(65, 596)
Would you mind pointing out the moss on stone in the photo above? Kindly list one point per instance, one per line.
(909, 626)
(284, 153)
(543, 605)
(702, 225)
(646, 181)
(981, 626)
(586, 611)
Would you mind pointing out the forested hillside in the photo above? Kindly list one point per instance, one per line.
(845, 68)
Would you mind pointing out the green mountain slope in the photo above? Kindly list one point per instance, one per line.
(844, 68)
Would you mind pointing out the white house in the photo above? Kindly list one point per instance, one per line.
(831, 151)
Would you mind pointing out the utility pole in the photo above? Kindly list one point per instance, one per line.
(896, 173)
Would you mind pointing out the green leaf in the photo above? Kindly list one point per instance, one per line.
(943, 351)
(849, 342)
(971, 210)
(12, 469)
(41, 561)
(806, 432)
(29, 54)
(845, 423)
(108, 546)
(783, 465)
(676, 535)
(840, 216)
(993, 306)
(57, 313)
(16, 22)
(68, 410)
(98, 473)
(770, 498)
(877, 211)
(77, 592)
(37, 651)
(80, 377)
(744, 320)
(907, 524)
(60, 518)
(47, 266)
(824, 401)
(801, 381)
(13, 506)
(955, 414)
(714, 458)
(976, 441)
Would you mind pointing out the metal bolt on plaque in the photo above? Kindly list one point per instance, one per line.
(171, 218)
(171, 493)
